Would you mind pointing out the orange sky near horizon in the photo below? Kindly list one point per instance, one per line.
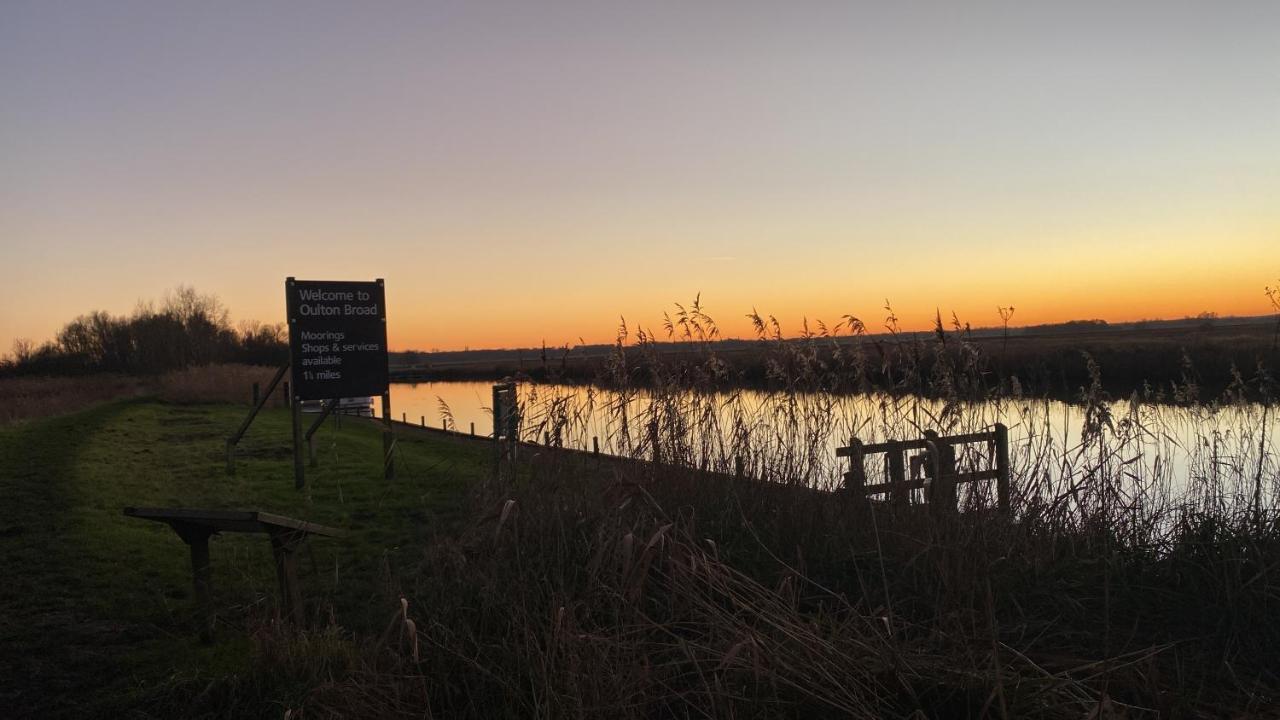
(418, 320)
(527, 172)
(451, 299)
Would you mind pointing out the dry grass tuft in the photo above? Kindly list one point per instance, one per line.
(218, 383)
(30, 397)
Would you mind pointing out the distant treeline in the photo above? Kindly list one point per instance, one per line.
(1165, 360)
(188, 328)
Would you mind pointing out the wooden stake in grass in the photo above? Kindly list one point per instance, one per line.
(388, 439)
(299, 465)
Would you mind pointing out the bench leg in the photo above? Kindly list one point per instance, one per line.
(284, 547)
(197, 540)
(203, 585)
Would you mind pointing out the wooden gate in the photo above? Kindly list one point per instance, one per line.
(933, 470)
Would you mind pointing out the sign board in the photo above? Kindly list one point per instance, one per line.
(337, 338)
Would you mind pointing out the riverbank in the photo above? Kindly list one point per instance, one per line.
(586, 589)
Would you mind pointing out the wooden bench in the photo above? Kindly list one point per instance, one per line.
(195, 526)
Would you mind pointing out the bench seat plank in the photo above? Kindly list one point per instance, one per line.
(248, 521)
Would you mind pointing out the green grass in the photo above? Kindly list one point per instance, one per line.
(585, 588)
(95, 607)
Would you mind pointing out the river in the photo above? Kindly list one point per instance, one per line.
(1217, 454)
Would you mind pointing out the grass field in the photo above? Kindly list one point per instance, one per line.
(96, 606)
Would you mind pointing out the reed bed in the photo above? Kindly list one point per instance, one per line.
(29, 398)
(1136, 576)
(1166, 444)
(225, 383)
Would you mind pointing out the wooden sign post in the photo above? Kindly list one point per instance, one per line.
(506, 424)
(337, 349)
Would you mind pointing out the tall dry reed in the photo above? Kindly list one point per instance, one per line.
(1135, 577)
(28, 398)
(229, 383)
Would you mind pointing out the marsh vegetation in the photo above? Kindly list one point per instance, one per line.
(1136, 575)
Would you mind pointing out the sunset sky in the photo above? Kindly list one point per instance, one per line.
(526, 171)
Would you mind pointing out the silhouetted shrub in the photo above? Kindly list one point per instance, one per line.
(189, 329)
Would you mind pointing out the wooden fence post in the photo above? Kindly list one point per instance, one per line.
(856, 478)
(1002, 467)
(947, 471)
(899, 495)
(513, 429)
(942, 470)
(256, 390)
(388, 440)
(497, 432)
(244, 426)
(299, 465)
(326, 409)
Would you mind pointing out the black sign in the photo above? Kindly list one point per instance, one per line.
(337, 338)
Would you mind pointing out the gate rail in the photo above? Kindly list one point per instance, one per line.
(938, 461)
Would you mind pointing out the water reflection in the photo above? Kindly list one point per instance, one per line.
(1218, 455)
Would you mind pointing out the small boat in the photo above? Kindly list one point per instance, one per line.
(362, 406)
